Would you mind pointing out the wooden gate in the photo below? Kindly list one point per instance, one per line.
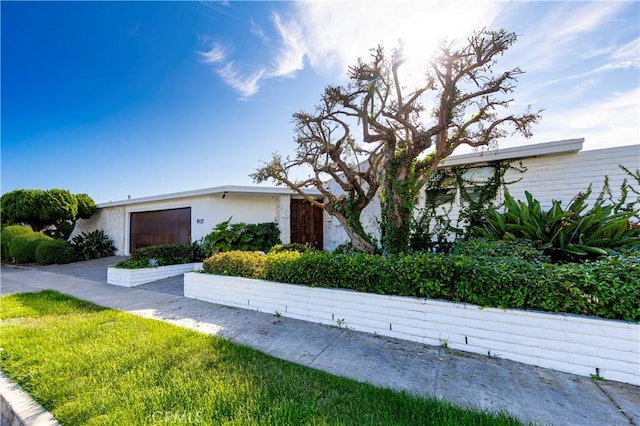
(306, 224)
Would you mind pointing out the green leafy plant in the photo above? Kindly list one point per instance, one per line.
(565, 234)
(93, 245)
(227, 236)
(196, 251)
(523, 248)
(54, 251)
(444, 342)
(625, 201)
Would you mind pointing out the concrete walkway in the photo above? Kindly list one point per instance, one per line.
(532, 394)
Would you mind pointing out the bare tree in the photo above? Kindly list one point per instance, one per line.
(400, 148)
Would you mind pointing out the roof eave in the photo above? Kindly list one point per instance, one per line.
(517, 152)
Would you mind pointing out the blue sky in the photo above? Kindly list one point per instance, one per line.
(145, 98)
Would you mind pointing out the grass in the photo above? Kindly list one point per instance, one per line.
(98, 366)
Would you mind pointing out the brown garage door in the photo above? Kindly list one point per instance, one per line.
(160, 227)
(306, 223)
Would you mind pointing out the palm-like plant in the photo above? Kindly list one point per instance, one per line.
(565, 234)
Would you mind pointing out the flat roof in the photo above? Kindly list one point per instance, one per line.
(516, 152)
(226, 189)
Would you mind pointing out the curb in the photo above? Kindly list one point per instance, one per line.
(19, 409)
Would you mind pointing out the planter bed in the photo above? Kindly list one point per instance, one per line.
(133, 277)
(570, 343)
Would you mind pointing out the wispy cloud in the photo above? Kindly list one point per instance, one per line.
(290, 57)
(629, 51)
(604, 122)
(216, 54)
(624, 58)
(257, 30)
(246, 85)
(549, 42)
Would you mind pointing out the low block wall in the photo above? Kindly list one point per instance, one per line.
(570, 343)
(133, 277)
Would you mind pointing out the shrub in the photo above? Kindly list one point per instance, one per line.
(23, 248)
(279, 266)
(164, 254)
(297, 247)
(236, 263)
(132, 264)
(522, 248)
(226, 236)
(55, 251)
(9, 233)
(609, 287)
(569, 234)
(196, 251)
(93, 245)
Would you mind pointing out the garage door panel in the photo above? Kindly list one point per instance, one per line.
(160, 227)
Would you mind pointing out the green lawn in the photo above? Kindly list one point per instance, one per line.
(92, 365)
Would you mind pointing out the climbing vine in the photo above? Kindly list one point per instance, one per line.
(625, 202)
(433, 229)
(400, 190)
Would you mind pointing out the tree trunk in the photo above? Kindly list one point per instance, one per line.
(398, 201)
(356, 236)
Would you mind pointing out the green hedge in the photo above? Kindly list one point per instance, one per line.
(607, 288)
(22, 249)
(10, 233)
(55, 252)
(236, 263)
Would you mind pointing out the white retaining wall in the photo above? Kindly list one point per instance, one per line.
(569, 343)
(133, 277)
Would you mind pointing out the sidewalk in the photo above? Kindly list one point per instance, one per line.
(532, 394)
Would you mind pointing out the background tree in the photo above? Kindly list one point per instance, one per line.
(53, 212)
(400, 146)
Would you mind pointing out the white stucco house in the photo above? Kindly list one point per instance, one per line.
(187, 216)
(556, 170)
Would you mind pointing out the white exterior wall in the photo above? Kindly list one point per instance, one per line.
(241, 208)
(562, 177)
(334, 233)
(111, 221)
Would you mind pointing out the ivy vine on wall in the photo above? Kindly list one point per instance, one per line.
(472, 189)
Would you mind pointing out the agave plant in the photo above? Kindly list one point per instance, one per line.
(93, 245)
(565, 234)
